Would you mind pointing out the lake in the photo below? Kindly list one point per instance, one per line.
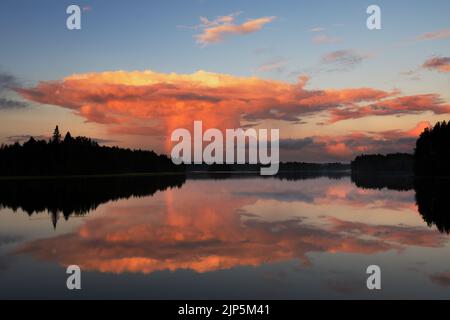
(223, 236)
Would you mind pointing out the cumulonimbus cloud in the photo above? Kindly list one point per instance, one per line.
(441, 64)
(214, 31)
(154, 104)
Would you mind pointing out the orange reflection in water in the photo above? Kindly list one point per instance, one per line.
(205, 226)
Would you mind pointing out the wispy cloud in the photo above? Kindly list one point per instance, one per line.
(277, 65)
(323, 38)
(87, 8)
(434, 35)
(214, 31)
(412, 75)
(25, 137)
(317, 29)
(344, 59)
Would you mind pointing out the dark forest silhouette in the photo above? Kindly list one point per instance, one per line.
(433, 202)
(77, 156)
(432, 153)
(284, 168)
(376, 163)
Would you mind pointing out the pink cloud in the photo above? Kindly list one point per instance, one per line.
(154, 104)
(214, 31)
(347, 147)
(323, 39)
(435, 35)
(395, 106)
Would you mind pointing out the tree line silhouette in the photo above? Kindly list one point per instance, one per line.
(390, 163)
(431, 156)
(284, 167)
(432, 153)
(77, 156)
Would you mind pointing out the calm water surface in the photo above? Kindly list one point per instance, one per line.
(208, 238)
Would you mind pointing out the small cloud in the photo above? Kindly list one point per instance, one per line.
(435, 35)
(8, 83)
(11, 104)
(412, 75)
(263, 51)
(317, 29)
(24, 137)
(277, 65)
(441, 64)
(344, 59)
(214, 31)
(323, 38)
(104, 141)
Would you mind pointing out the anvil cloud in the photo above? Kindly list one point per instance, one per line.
(153, 104)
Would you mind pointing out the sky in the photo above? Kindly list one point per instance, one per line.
(137, 70)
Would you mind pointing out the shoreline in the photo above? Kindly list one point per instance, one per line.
(90, 176)
(155, 174)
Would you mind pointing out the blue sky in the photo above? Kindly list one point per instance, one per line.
(137, 35)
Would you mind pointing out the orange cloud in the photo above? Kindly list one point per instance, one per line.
(154, 104)
(215, 31)
(420, 127)
(441, 64)
(347, 147)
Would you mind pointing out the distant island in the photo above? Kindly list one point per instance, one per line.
(285, 167)
(398, 163)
